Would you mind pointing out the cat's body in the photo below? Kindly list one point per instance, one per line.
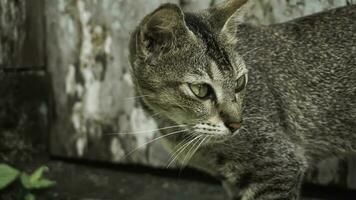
(300, 101)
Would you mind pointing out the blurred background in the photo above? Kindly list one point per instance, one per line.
(66, 93)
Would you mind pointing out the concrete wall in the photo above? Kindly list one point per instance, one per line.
(24, 83)
(22, 34)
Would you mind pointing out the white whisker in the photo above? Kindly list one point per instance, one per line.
(187, 155)
(196, 149)
(248, 52)
(183, 141)
(158, 138)
(180, 150)
(251, 118)
(245, 129)
(147, 131)
(137, 97)
(155, 114)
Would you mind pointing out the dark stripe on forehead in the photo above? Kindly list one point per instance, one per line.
(204, 32)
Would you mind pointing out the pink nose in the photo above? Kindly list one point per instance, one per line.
(233, 126)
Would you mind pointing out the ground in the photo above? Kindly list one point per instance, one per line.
(85, 180)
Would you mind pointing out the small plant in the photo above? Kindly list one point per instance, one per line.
(35, 181)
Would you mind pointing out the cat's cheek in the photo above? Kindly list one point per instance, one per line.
(181, 117)
(177, 117)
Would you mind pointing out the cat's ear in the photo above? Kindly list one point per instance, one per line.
(225, 16)
(159, 30)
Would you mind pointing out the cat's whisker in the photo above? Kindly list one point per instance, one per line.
(158, 138)
(196, 149)
(146, 131)
(137, 97)
(177, 152)
(248, 52)
(245, 129)
(251, 118)
(155, 114)
(189, 152)
(189, 148)
(183, 141)
(181, 149)
(209, 139)
(262, 115)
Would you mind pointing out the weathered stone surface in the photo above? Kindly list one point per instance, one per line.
(22, 34)
(87, 58)
(32, 51)
(12, 18)
(24, 112)
(194, 5)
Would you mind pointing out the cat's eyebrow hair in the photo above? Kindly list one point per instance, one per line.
(214, 50)
(214, 71)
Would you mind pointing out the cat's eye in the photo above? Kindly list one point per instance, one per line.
(241, 83)
(202, 91)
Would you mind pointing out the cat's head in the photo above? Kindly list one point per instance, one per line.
(185, 67)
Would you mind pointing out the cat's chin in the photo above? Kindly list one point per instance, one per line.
(218, 139)
(222, 138)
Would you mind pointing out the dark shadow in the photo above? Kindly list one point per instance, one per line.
(308, 190)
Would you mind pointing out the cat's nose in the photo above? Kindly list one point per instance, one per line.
(233, 126)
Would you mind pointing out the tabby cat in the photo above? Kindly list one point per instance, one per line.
(254, 105)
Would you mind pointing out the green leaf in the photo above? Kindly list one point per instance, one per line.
(25, 180)
(30, 196)
(37, 184)
(35, 181)
(7, 175)
(42, 184)
(35, 176)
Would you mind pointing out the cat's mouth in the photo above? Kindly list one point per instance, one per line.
(213, 132)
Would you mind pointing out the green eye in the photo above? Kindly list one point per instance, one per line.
(202, 91)
(241, 83)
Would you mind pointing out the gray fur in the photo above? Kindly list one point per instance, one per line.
(298, 108)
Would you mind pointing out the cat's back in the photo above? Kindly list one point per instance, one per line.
(326, 39)
(309, 67)
(314, 58)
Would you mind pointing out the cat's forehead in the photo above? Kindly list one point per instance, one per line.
(204, 56)
(221, 62)
(214, 49)
(211, 73)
